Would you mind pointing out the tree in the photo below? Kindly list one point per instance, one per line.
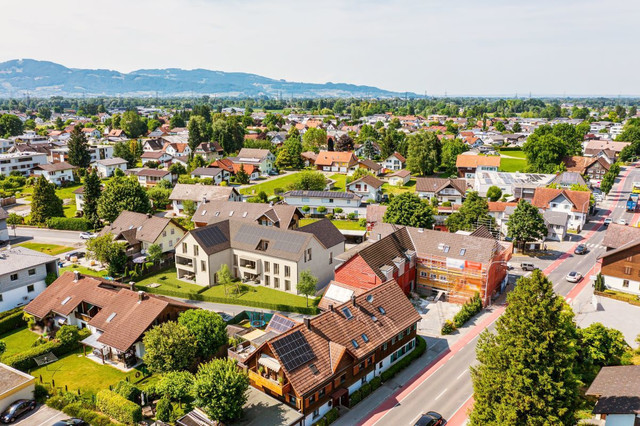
(526, 372)
(344, 143)
(189, 207)
(289, 155)
(59, 124)
(500, 126)
(10, 125)
(242, 177)
(98, 248)
(307, 284)
(199, 131)
(544, 152)
(309, 181)
(598, 284)
(177, 120)
(132, 124)
(197, 161)
(228, 132)
(122, 193)
(368, 150)
(450, 151)
(313, 139)
(153, 124)
(176, 385)
(473, 212)
(92, 193)
(169, 347)
(154, 253)
(159, 196)
(44, 202)
(220, 389)
(79, 155)
(516, 127)
(494, 193)
(224, 277)
(208, 329)
(123, 150)
(409, 210)
(177, 169)
(526, 224)
(598, 346)
(424, 153)
(360, 172)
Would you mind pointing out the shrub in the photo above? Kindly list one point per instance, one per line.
(128, 391)
(24, 360)
(40, 393)
(163, 410)
(329, 216)
(12, 322)
(10, 312)
(338, 210)
(60, 401)
(118, 407)
(354, 398)
(331, 416)
(446, 204)
(68, 334)
(69, 223)
(177, 413)
(376, 382)
(362, 222)
(352, 216)
(76, 409)
(50, 278)
(321, 209)
(448, 327)
(278, 191)
(468, 311)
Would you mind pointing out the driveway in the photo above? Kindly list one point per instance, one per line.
(42, 416)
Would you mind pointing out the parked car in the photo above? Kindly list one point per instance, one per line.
(71, 422)
(573, 277)
(87, 235)
(622, 222)
(225, 316)
(17, 409)
(78, 254)
(527, 266)
(607, 221)
(431, 418)
(581, 249)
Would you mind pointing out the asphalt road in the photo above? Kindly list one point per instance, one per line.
(448, 388)
(67, 238)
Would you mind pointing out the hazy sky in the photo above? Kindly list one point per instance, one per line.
(499, 47)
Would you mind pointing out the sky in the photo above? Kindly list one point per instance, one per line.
(462, 47)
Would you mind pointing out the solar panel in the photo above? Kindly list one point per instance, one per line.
(293, 350)
(280, 324)
(211, 236)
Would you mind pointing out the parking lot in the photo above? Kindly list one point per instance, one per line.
(41, 416)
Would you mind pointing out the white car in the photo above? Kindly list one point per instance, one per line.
(87, 235)
(622, 222)
(573, 277)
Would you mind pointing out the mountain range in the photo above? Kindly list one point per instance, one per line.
(35, 78)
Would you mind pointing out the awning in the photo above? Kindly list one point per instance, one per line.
(270, 362)
(339, 393)
(59, 319)
(92, 341)
(252, 335)
(140, 259)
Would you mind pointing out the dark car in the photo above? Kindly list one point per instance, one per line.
(78, 254)
(17, 409)
(431, 419)
(581, 249)
(71, 422)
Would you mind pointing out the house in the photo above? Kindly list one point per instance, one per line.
(593, 167)
(263, 159)
(201, 193)
(214, 173)
(374, 214)
(617, 236)
(22, 275)
(252, 170)
(309, 158)
(368, 187)
(210, 151)
(501, 211)
(349, 202)
(359, 149)
(22, 162)
(152, 145)
(519, 185)
(334, 161)
(371, 166)
(575, 204)
(394, 162)
(4, 232)
(141, 230)
(56, 173)
(557, 223)
(105, 168)
(176, 149)
(91, 132)
(151, 177)
(444, 189)
(568, 179)
(317, 365)
(617, 389)
(267, 256)
(159, 157)
(116, 316)
(609, 150)
(468, 164)
(278, 215)
(14, 385)
(400, 178)
(620, 262)
(116, 135)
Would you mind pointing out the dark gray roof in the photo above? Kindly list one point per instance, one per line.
(321, 194)
(325, 231)
(555, 218)
(617, 389)
(213, 238)
(206, 171)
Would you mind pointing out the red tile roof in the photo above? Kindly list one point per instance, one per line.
(580, 199)
(473, 161)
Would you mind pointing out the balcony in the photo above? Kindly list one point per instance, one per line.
(241, 352)
(268, 383)
(248, 264)
(184, 262)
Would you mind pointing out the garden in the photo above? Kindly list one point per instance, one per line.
(51, 249)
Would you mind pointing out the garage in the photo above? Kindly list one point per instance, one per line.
(14, 385)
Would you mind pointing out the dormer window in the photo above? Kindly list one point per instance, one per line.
(463, 251)
(263, 245)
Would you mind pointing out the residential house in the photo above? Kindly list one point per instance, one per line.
(201, 193)
(105, 168)
(593, 167)
(620, 263)
(469, 164)
(4, 232)
(56, 173)
(269, 256)
(519, 185)
(617, 389)
(141, 230)
(216, 174)
(262, 159)
(444, 189)
(159, 157)
(252, 170)
(368, 187)
(609, 150)
(177, 149)
(557, 223)
(22, 275)
(91, 132)
(210, 151)
(359, 149)
(309, 158)
(568, 179)
(116, 316)
(501, 211)
(575, 204)
(152, 145)
(349, 202)
(14, 385)
(151, 177)
(400, 178)
(278, 215)
(335, 161)
(371, 166)
(317, 365)
(617, 236)
(22, 162)
(374, 214)
(394, 162)
(116, 135)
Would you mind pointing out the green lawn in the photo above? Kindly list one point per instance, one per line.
(513, 152)
(512, 165)
(271, 184)
(351, 225)
(18, 341)
(169, 280)
(52, 249)
(341, 182)
(84, 270)
(397, 190)
(66, 193)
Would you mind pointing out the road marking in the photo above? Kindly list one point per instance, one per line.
(441, 393)
(461, 374)
(50, 418)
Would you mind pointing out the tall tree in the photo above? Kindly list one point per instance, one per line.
(123, 150)
(544, 152)
(424, 152)
(242, 177)
(227, 132)
(10, 125)
(44, 202)
(451, 148)
(526, 224)
(122, 193)
(409, 210)
(92, 193)
(220, 389)
(309, 181)
(79, 155)
(132, 124)
(289, 154)
(169, 347)
(368, 150)
(313, 139)
(199, 131)
(473, 212)
(208, 329)
(344, 143)
(526, 373)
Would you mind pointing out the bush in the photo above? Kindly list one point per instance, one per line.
(305, 209)
(448, 327)
(352, 216)
(376, 382)
(338, 210)
(128, 391)
(118, 407)
(68, 334)
(60, 401)
(76, 409)
(468, 311)
(362, 222)
(278, 191)
(163, 410)
(40, 393)
(421, 347)
(355, 398)
(10, 312)
(12, 321)
(321, 209)
(331, 416)
(69, 223)
(177, 413)
(24, 360)
(50, 278)
(329, 216)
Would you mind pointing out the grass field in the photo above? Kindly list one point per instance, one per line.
(514, 153)
(18, 341)
(350, 225)
(513, 165)
(84, 270)
(271, 184)
(341, 182)
(397, 190)
(52, 249)
(66, 193)
(169, 280)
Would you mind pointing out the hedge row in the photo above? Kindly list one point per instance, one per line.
(421, 347)
(94, 419)
(364, 391)
(10, 312)
(312, 310)
(127, 390)
(12, 321)
(25, 360)
(69, 223)
(331, 416)
(118, 407)
(632, 299)
(471, 308)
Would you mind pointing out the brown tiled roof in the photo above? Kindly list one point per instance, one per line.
(617, 389)
(482, 232)
(619, 235)
(224, 164)
(55, 167)
(152, 172)
(500, 206)
(381, 253)
(206, 171)
(257, 153)
(370, 164)
(309, 155)
(580, 164)
(436, 184)
(472, 161)
(147, 228)
(211, 212)
(195, 192)
(327, 158)
(209, 147)
(580, 199)
(325, 231)
(375, 212)
(153, 154)
(401, 173)
(369, 180)
(600, 145)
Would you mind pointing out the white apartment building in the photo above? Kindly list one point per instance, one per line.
(21, 161)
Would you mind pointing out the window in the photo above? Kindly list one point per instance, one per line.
(30, 288)
(365, 338)
(354, 343)
(384, 347)
(0, 298)
(625, 284)
(382, 311)
(316, 413)
(170, 243)
(312, 399)
(432, 276)
(14, 277)
(173, 231)
(443, 278)
(463, 251)
(393, 340)
(276, 282)
(309, 253)
(263, 245)
(330, 257)
(184, 247)
(292, 399)
(287, 271)
(203, 265)
(630, 259)
(423, 274)
(331, 200)
(267, 267)
(363, 380)
(276, 268)
(266, 280)
(627, 270)
(347, 313)
(164, 233)
(32, 271)
(196, 250)
(235, 260)
(287, 285)
(321, 393)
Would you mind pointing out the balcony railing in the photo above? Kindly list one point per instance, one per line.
(272, 385)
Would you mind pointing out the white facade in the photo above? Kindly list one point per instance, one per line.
(577, 220)
(366, 191)
(348, 205)
(625, 285)
(57, 177)
(105, 171)
(21, 161)
(393, 163)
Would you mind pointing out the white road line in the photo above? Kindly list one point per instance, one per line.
(441, 393)
(461, 374)
(50, 418)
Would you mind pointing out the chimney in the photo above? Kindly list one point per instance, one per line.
(353, 300)
(140, 296)
(149, 215)
(307, 323)
(76, 276)
(132, 285)
(331, 307)
(204, 200)
(379, 237)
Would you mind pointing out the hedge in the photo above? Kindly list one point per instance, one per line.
(25, 360)
(311, 310)
(12, 321)
(632, 299)
(118, 407)
(331, 416)
(471, 308)
(421, 347)
(10, 312)
(127, 390)
(69, 223)
(76, 409)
